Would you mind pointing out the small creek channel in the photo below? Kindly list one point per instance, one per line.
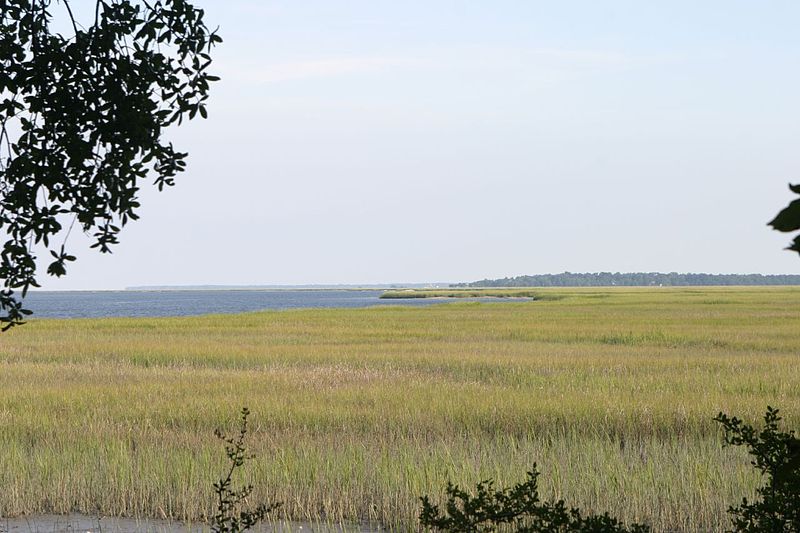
(75, 523)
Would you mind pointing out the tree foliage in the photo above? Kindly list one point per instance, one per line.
(518, 509)
(776, 454)
(82, 118)
(788, 219)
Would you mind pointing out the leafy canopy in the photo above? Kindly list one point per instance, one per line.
(776, 454)
(788, 219)
(82, 117)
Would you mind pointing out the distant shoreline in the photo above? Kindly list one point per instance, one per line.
(635, 279)
(557, 293)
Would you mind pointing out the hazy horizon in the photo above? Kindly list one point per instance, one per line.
(376, 285)
(368, 141)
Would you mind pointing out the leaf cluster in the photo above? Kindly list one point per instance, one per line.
(82, 118)
(776, 454)
(231, 516)
(788, 219)
(517, 508)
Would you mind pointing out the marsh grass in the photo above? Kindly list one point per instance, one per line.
(356, 413)
(466, 293)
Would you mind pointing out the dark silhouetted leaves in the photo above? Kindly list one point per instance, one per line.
(789, 219)
(518, 509)
(776, 454)
(82, 118)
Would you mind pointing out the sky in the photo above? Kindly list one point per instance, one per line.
(382, 141)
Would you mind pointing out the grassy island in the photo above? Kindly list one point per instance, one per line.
(462, 293)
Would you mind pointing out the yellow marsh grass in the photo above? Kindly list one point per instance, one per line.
(358, 412)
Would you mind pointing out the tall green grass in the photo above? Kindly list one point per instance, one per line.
(358, 412)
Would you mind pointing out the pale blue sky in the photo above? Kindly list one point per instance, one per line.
(366, 142)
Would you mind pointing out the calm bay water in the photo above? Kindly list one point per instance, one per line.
(94, 304)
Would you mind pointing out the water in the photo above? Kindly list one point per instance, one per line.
(76, 523)
(95, 304)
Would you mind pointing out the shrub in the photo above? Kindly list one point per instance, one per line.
(516, 508)
(776, 454)
(231, 517)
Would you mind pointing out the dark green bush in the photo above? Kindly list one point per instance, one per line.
(517, 508)
(776, 454)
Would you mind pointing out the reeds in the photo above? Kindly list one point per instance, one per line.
(356, 413)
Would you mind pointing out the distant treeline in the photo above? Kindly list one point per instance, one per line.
(634, 279)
